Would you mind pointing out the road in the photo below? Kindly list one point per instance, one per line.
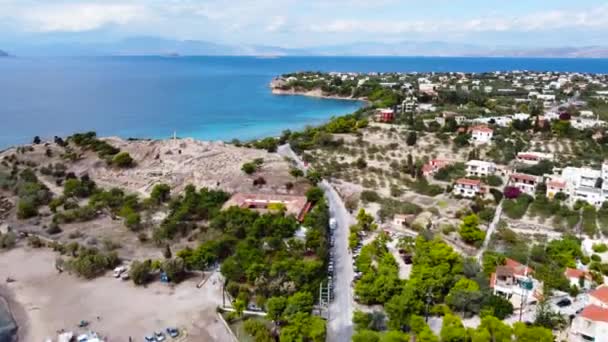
(340, 325)
(490, 231)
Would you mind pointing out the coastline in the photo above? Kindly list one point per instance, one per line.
(318, 93)
(16, 311)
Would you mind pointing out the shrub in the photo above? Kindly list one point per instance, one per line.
(600, 247)
(122, 159)
(8, 240)
(511, 192)
(249, 168)
(370, 196)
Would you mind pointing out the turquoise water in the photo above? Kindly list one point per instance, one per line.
(202, 97)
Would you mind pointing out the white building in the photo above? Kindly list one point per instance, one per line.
(524, 182)
(468, 188)
(480, 168)
(514, 281)
(590, 325)
(575, 275)
(481, 134)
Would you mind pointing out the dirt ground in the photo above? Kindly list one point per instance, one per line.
(53, 301)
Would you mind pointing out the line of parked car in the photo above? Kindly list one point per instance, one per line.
(333, 224)
(159, 336)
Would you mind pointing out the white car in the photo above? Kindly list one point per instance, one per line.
(333, 224)
(119, 270)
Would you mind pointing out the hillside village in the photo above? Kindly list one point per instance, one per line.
(505, 167)
(450, 207)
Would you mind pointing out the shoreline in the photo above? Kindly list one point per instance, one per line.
(316, 93)
(16, 311)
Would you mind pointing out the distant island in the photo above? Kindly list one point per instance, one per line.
(155, 46)
(3, 54)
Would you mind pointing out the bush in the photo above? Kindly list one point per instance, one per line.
(123, 160)
(8, 240)
(249, 168)
(140, 271)
(511, 192)
(314, 194)
(600, 247)
(493, 180)
(370, 196)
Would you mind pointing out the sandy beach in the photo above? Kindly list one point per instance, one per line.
(44, 302)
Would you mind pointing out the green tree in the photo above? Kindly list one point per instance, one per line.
(524, 333)
(299, 302)
(314, 194)
(469, 230)
(452, 329)
(239, 306)
(465, 296)
(275, 307)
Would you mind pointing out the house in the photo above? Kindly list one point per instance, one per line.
(575, 275)
(434, 165)
(480, 168)
(293, 205)
(533, 158)
(385, 115)
(599, 297)
(514, 281)
(468, 187)
(590, 325)
(524, 182)
(554, 187)
(481, 134)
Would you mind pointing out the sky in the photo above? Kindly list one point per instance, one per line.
(309, 23)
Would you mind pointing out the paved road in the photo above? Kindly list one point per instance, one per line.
(490, 231)
(340, 326)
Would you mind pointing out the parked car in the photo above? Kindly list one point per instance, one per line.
(159, 336)
(173, 332)
(119, 270)
(333, 224)
(150, 339)
(563, 303)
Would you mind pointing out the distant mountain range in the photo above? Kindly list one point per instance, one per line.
(3, 54)
(158, 46)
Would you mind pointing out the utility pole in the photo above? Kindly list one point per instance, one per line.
(429, 299)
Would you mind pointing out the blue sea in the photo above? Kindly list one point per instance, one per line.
(210, 98)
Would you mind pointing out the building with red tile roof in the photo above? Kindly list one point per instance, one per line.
(590, 325)
(514, 281)
(467, 187)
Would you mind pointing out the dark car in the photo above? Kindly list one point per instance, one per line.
(563, 303)
(172, 332)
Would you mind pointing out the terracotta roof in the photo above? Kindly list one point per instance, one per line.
(518, 268)
(574, 273)
(528, 156)
(523, 176)
(601, 293)
(595, 313)
(556, 184)
(481, 128)
(466, 181)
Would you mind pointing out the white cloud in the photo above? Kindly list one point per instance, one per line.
(79, 17)
(277, 24)
(595, 18)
